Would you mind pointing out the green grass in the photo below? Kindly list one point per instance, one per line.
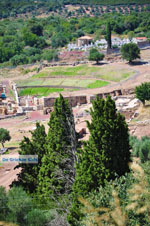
(97, 84)
(115, 75)
(9, 144)
(39, 91)
(60, 82)
(56, 82)
(78, 76)
(110, 73)
(30, 82)
(82, 70)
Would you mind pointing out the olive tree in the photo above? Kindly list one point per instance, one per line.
(130, 52)
(95, 55)
(143, 92)
(4, 136)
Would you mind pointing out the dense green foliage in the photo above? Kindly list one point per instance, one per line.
(25, 41)
(4, 136)
(18, 207)
(15, 7)
(57, 172)
(143, 92)
(101, 166)
(39, 91)
(28, 177)
(124, 201)
(108, 35)
(105, 155)
(141, 148)
(95, 55)
(130, 52)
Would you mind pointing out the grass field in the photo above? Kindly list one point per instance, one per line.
(110, 73)
(115, 76)
(85, 76)
(61, 82)
(66, 71)
(97, 84)
(39, 91)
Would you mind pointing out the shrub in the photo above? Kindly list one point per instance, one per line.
(141, 148)
(130, 52)
(95, 55)
(143, 92)
(19, 59)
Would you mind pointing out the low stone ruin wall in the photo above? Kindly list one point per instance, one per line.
(114, 93)
(79, 100)
(74, 101)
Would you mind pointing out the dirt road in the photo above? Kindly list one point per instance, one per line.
(7, 172)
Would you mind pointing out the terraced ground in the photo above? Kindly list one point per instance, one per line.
(72, 78)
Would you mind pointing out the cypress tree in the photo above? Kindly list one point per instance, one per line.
(57, 173)
(105, 155)
(108, 35)
(35, 146)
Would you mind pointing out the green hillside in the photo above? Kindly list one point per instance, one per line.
(109, 2)
(13, 8)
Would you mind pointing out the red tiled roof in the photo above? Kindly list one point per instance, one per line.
(85, 37)
(140, 38)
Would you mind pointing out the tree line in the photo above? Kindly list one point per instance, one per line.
(68, 168)
(24, 41)
(16, 7)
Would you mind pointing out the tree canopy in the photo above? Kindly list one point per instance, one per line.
(108, 35)
(130, 52)
(143, 92)
(28, 177)
(55, 31)
(105, 156)
(57, 172)
(4, 136)
(95, 55)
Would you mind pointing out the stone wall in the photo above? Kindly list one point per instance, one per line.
(48, 101)
(74, 101)
(79, 100)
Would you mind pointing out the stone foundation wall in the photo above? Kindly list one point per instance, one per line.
(73, 101)
(79, 100)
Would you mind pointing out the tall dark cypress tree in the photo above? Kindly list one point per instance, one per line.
(28, 176)
(58, 172)
(104, 157)
(108, 35)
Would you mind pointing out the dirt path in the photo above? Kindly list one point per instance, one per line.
(7, 172)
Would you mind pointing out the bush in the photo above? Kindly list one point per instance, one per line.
(19, 204)
(19, 59)
(37, 217)
(125, 203)
(50, 55)
(35, 58)
(3, 204)
(130, 52)
(59, 40)
(144, 150)
(143, 92)
(30, 51)
(95, 55)
(4, 136)
(141, 148)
